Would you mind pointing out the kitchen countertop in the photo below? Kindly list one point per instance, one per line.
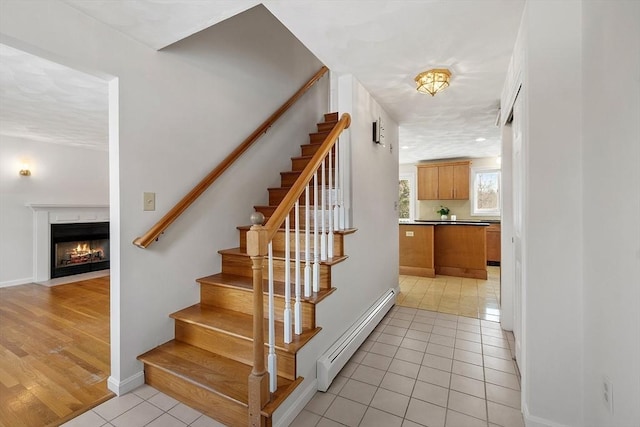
(446, 222)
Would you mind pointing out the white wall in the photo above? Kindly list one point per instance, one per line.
(60, 175)
(552, 213)
(372, 267)
(179, 115)
(552, 220)
(611, 206)
(582, 258)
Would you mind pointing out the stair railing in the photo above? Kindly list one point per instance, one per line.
(259, 237)
(159, 227)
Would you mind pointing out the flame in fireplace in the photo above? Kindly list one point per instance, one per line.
(81, 253)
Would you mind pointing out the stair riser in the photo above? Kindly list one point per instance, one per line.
(241, 266)
(287, 179)
(326, 126)
(268, 211)
(309, 149)
(226, 411)
(315, 138)
(276, 195)
(230, 346)
(298, 164)
(279, 242)
(331, 117)
(242, 300)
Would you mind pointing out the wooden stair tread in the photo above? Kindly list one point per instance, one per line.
(306, 157)
(246, 283)
(212, 372)
(280, 255)
(239, 325)
(324, 133)
(345, 232)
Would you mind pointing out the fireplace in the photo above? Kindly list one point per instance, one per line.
(79, 248)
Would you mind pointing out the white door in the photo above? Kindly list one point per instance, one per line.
(518, 197)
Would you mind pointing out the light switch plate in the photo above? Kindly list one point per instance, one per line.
(149, 201)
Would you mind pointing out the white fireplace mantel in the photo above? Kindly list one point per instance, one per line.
(46, 214)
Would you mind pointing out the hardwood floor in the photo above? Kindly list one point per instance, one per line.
(54, 352)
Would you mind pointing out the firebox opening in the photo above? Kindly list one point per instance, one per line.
(79, 248)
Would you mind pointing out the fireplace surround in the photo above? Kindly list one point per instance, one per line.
(46, 215)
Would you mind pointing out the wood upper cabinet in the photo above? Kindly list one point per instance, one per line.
(427, 183)
(461, 182)
(444, 181)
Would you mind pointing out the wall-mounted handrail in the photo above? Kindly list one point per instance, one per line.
(281, 212)
(159, 227)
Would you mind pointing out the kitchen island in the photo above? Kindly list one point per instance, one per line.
(452, 248)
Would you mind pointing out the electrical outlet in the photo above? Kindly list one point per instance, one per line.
(149, 201)
(607, 393)
(408, 233)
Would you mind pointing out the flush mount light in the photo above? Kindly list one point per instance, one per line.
(481, 139)
(433, 81)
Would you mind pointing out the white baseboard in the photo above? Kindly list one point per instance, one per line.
(16, 282)
(126, 385)
(533, 421)
(298, 405)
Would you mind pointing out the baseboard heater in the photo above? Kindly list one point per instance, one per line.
(341, 351)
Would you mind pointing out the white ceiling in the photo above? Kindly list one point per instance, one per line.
(44, 101)
(383, 43)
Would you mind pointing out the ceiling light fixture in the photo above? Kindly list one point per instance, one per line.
(481, 139)
(433, 81)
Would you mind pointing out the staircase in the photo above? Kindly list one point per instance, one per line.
(208, 363)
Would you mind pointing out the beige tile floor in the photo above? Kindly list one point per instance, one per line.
(418, 368)
(454, 295)
(423, 368)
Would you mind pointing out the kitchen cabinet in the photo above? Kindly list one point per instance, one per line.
(493, 244)
(427, 183)
(444, 181)
(416, 250)
(452, 249)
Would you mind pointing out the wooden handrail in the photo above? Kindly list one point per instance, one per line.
(159, 227)
(281, 212)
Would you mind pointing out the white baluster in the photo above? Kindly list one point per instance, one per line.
(323, 235)
(316, 237)
(337, 189)
(272, 362)
(287, 284)
(330, 213)
(297, 307)
(307, 244)
(341, 209)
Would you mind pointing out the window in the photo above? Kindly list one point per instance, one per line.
(485, 197)
(406, 197)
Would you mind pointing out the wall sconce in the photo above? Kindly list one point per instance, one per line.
(25, 171)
